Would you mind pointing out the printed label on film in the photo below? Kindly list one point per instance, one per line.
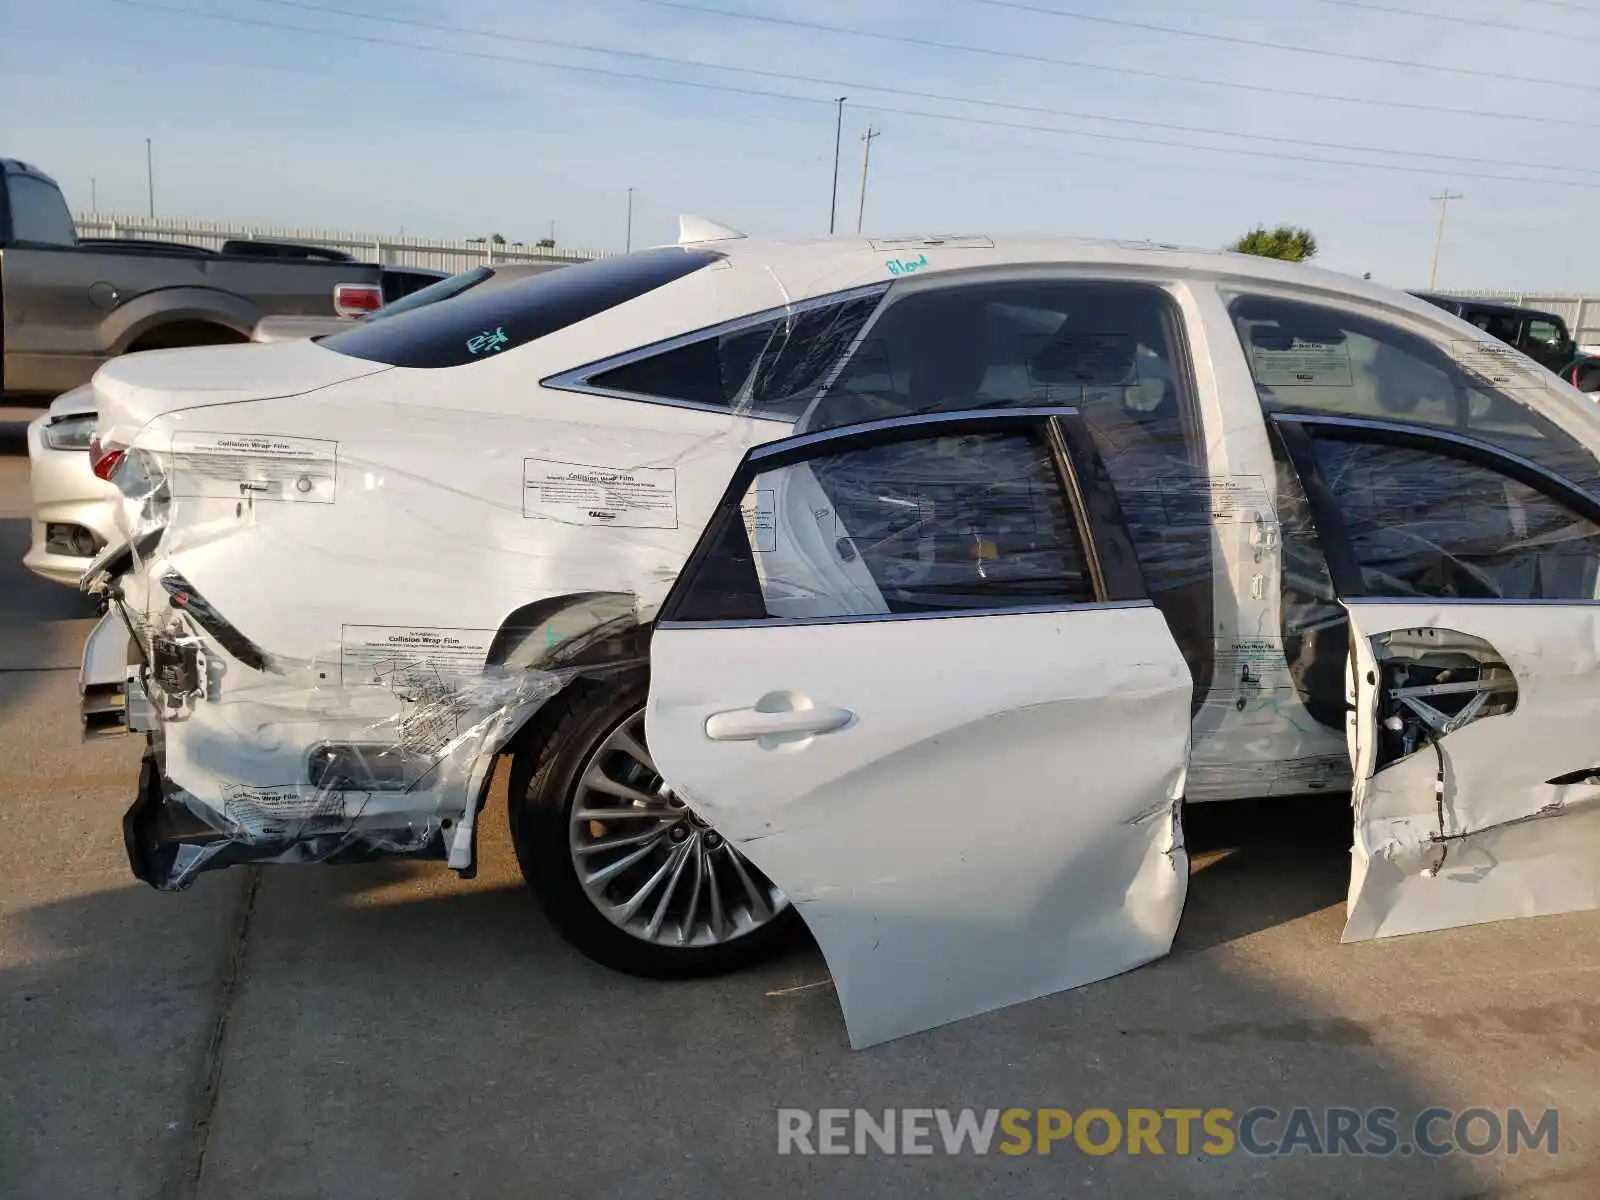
(578, 494)
(253, 466)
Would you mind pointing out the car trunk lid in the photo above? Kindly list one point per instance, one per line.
(135, 389)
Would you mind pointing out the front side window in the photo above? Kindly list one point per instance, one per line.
(1312, 359)
(485, 322)
(39, 215)
(770, 366)
(1548, 343)
(937, 525)
(1433, 526)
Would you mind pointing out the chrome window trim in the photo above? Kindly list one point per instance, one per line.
(801, 442)
(943, 615)
(577, 379)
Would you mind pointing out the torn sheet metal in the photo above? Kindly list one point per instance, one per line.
(1477, 764)
(952, 850)
(346, 596)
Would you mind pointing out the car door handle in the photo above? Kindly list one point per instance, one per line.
(748, 724)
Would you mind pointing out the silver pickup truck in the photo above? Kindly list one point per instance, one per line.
(66, 305)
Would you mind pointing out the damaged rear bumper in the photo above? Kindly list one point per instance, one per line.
(171, 836)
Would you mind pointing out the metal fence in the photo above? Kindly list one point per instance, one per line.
(396, 250)
(1581, 313)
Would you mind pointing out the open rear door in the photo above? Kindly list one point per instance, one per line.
(911, 674)
(1476, 737)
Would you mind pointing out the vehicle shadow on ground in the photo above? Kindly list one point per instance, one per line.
(1257, 864)
(42, 624)
(398, 1034)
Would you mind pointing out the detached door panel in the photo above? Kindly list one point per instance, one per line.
(1478, 764)
(962, 762)
(1469, 573)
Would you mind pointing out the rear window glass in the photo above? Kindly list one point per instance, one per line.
(480, 324)
(432, 293)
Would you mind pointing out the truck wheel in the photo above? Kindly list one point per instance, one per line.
(629, 875)
(1589, 381)
(183, 334)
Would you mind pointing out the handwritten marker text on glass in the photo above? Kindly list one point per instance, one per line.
(488, 343)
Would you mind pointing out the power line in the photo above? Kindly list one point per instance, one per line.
(1038, 110)
(818, 100)
(904, 39)
(79, 37)
(1277, 155)
(1285, 47)
(1568, 5)
(1541, 119)
(1481, 22)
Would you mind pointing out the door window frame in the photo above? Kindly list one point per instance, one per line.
(1293, 433)
(1113, 567)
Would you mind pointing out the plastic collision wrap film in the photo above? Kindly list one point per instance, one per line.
(347, 601)
(874, 738)
(378, 532)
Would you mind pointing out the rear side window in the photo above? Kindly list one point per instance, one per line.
(771, 365)
(1115, 350)
(941, 525)
(1497, 325)
(39, 215)
(481, 324)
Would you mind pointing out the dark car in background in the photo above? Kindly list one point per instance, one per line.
(1542, 336)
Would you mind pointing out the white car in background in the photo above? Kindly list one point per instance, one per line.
(904, 586)
(74, 510)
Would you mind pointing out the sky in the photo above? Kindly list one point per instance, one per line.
(461, 118)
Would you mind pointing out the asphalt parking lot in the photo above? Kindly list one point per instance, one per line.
(393, 1031)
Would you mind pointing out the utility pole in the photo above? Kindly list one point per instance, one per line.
(628, 245)
(149, 177)
(833, 196)
(94, 194)
(1444, 199)
(866, 161)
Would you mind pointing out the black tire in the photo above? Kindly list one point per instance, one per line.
(544, 785)
(183, 335)
(1589, 381)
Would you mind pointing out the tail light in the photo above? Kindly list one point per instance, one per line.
(357, 299)
(104, 458)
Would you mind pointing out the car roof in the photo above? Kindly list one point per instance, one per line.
(15, 166)
(1483, 305)
(818, 265)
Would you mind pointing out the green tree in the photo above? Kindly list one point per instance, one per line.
(497, 239)
(1286, 242)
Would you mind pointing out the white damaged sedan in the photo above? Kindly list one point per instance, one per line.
(906, 587)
